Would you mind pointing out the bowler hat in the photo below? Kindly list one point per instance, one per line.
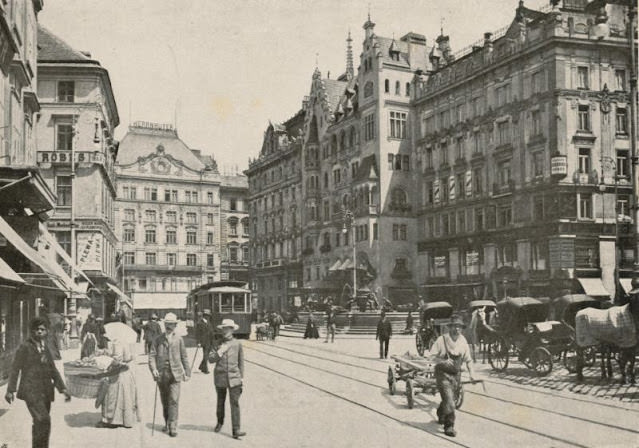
(457, 321)
(207, 311)
(228, 323)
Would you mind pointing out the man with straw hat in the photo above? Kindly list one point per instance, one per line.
(451, 351)
(228, 374)
(169, 366)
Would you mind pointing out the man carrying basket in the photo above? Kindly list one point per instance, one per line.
(451, 351)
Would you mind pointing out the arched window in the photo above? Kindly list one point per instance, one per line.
(408, 89)
(333, 145)
(351, 137)
(342, 141)
(398, 196)
(368, 89)
(397, 88)
(386, 86)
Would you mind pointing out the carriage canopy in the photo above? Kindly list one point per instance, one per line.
(474, 304)
(437, 310)
(566, 307)
(517, 312)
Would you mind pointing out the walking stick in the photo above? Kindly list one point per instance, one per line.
(195, 356)
(155, 402)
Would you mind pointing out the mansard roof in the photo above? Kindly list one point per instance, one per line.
(53, 49)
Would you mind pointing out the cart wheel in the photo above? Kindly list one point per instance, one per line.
(410, 393)
(392, 382)
(570, 360)
(431, 342)
(498, 354)
(459, 396)
(541, 361)
(419, 343)
(590, 356)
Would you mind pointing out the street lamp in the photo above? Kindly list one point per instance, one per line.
(609, 162)
(349, 222)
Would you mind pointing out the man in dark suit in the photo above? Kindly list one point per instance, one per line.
(38, 374)
(152, 330)
(204, 336)
(384, 332)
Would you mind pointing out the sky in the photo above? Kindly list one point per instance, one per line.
(220, 70)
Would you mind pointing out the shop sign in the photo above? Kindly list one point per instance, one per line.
(89, 246)
(559, 165)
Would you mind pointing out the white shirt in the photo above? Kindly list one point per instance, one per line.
(455, 348)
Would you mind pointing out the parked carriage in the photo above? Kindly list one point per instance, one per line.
(475, 332)
(523, 326)
(434, 317)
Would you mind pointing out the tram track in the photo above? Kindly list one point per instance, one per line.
(467, 412)
(488, 381)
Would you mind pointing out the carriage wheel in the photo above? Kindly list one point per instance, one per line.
(570, 360)
(419, 343)
(459, 396)
(392, 382)
(498, 354)
(431, 341)
(541, 361)
(590, 356)
(410, 393)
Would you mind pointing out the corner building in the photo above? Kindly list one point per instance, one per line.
(523, 153)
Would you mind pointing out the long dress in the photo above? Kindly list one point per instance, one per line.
(311, 329)
(120, 403)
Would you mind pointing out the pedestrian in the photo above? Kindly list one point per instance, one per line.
(409, 323)
(275, 322)
(204, 336)
(311, 328)
(89, 337)
(137, 327)
(33, 363)
(152, 330)
(451, 350)
(119, 400)
(330, 325)
(227, 375)
(65, 332)
(384, 333)
(169, 366)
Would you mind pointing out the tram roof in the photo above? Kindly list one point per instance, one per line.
(223, 289)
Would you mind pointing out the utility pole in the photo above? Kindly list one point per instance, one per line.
(632, 17)
(349, 220)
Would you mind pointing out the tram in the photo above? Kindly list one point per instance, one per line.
(227, 299)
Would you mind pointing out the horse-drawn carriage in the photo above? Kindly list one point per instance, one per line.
(433, 318)
(523, 326)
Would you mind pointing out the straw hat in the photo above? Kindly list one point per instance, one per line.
(456, 321)
(207, 311)
(170, 318)
(228, 323)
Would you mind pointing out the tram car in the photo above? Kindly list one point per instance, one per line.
(227, 299)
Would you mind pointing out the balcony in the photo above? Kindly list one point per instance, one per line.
(162, 268)
(307, 251)
(499, 189)
(325, 248)
(398, 207)
(590, 178)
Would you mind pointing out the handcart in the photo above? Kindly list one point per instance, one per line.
(419, 372)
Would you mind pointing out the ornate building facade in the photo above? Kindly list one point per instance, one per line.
(181, 223)
(523, 155)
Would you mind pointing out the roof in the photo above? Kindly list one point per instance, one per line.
(53, 49)
(385, 44)
(144, 141)
(367, 169)
(334, 90)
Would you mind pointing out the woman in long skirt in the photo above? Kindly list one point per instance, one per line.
(120, 402)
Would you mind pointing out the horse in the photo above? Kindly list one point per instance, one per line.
(480, 332)
(612, 329)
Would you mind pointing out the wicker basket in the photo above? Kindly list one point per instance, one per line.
(82, 387)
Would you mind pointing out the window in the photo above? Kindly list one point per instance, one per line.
(461, 183)
(209, 219)
(129, 258)
(536, 82)
(623, 166)
(191, 218)
(391, 162)
(623, 205)
(406, 163)
(129, 192)
(471, 261)
(209, 197)
(583, 118)
(438, 265)
(171, 236)
(233, 228)
(369, 127)
(398, 197)
(170, 259)
(171, 217)
(149, 236)
(536, 122)
(129, 214)
(191, 237)
(429, 157)
(538, 255)
(477, 143)
(63, 190)
(64, 240)
(386, 86)
(233, 254)
(149, 215)
(538, 164)
(64, 136)
(400, 232)
(503, 132)
(398, 124)
(461, 221)
(191, 260)
(584, 160)
(66, 91)
(583, 81)
(170, 195)
(397, 88)
(504, 215)
(621, 119)
(210, 260)
(538, 208)
(327, 211)
(444, 154)
(620, 80)
(150, 258)
(586, 253)
(478, 181)
(209, 238)
(233, 204)
(585, 205)
(479, 219)
(128, 234)
(503, 173)
(459, 149)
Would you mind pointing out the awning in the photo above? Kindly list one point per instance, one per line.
(159, 300)
(348, 264)
(626, 284)
(336, 266)
(593, 287)
(62, 253)
(8, 274)
(123, 297)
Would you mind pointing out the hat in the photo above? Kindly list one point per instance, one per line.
(228, 323)
(207, 311)
(170, 318)
(457, 321)
(154, 316)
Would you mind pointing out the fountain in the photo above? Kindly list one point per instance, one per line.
(348, 297)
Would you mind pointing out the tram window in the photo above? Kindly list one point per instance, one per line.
(227, 303)
(216, 304)
(238, 303)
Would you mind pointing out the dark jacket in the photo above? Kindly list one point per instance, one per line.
(384, 329)
(38, 374)
(174, 352)
(152, 330)
(204, 332)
